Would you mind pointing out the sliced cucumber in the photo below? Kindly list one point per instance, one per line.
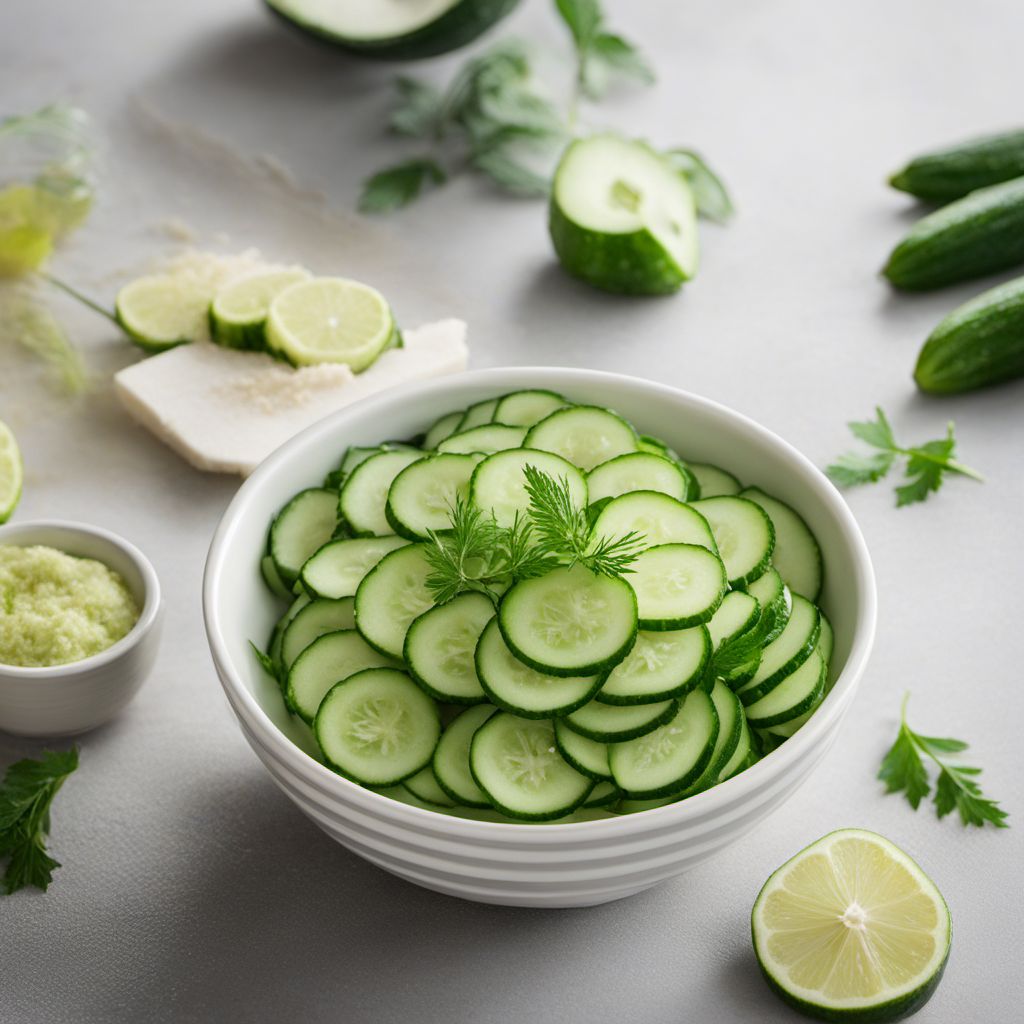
(424, 786)
(730, 728)
(743, 756)
(737, 614)
(377, 727)
(797, 555)
(498, 485)
(637, 471)
(608, 723)
(585, 755)
(277, 636)
(744, 536)
(313, 620)
(661, 666)
(604, 794)
(524, 408)
(364, 495)
(422, 496)
(326, 661)
(775, 600)
(569, 622)
(797, 693)
(826, 639)
(622, 218)
(337, 569)
(522, 690)
(304, 525)
(713, 481)
(786, 653)
(677, 585)
(477, 415)
(451, 759)
(671, 757)
(658, 518)
(584, 435)
(440, 646)
(272, 578)
(487, 438)
(516, 763)
(443, 427)
(392, 595)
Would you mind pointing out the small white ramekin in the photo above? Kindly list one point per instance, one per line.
(66, 699)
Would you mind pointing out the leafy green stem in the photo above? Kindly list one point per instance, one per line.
(80, 297)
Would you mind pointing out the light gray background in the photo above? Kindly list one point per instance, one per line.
(192, 890)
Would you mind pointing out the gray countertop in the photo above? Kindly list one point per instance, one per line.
(191, 889)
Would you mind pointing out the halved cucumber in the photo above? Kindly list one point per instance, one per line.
(443, 427)
(658, 518)
(326, 661)
(796, 555)
(487, 438)
(313, 620)
(524, 408)
(569, 622)
(677, 585)
(786, 653)
(516, 763)
(585, 755)
(637, 471)
(622, 218)
(337, 569)
(661, 666)
(585, 435)
(608, 723)
(713, 481)
(498, 485)
(743, 533)
(392, 595)
(364, 495)
(377, 727)
(304, 525)
(440, 647)
(451, 758)
(516, 687)
(796, 694)
(422, 496)
(671, 757)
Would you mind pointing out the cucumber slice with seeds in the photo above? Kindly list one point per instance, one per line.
(569, 622)
(392, 595)
(516, 687)
(525, 408)
(608, 723)
(377, 727)
(797, 555)
(422, 496)
(584, 435)
(637, 471)
(303, 526)
(516, 763)
(744, 536)
(661, 666)
(313, 620)
(658, 518)
(585, 755)
(671, 757)
(337, 569)
(487, 438)
(364, 495)
(440, 647)
(451, 758)
(786, 653)
(677, 585)
(498, 484)
(713, 481)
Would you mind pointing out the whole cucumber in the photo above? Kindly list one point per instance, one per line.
(980, 343)
(976, 235)
(946, 174)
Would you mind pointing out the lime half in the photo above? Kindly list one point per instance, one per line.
(164, 310)
(10, 472)
(238, 313)
(852, 929)
(622, 218)
(330, 320)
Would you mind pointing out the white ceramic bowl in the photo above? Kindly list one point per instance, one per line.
(73, 698)
(530, 865)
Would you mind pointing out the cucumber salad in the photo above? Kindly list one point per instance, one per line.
(534, 613)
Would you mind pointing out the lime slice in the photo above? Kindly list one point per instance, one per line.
(164, 310)
(622, 218)
(10, 472)
(330, 320)
(852, 929)
(238, 313)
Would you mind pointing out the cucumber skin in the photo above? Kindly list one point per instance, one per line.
(977, 235)
(456, 28)
(979, 344)
(947, 174)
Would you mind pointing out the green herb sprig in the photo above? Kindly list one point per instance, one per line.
(926, 466)
(956, 788)
(26, 794)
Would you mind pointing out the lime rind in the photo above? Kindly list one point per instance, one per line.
(11, 473)
(238, 312)
(161, 311)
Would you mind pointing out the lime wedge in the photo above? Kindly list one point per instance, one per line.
(852, 929)
(622, 218)
(330, 320)
(164, 310)
(10, 472)
(238, 313)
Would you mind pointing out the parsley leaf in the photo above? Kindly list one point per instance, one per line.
(925, 468)
(399, 185)
(26, 794)
(709, 192)
(956, 788)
